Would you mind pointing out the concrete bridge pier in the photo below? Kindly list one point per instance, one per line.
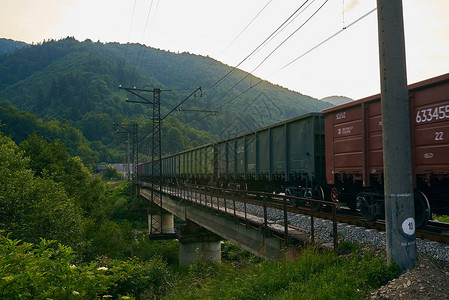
(154, 221)
(197, 242)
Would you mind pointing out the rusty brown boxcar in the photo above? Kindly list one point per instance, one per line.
(354, 158)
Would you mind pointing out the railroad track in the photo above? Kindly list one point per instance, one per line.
(434, 231)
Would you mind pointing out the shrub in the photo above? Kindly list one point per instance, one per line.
(233, 253)
(33, 207)
(111, 173)
(315, 275)
(45, 270)
(442, 218)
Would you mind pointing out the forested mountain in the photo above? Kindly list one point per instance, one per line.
(78, 82)
(8, 46)
(19, 125)
(104, 144)
(337, 100)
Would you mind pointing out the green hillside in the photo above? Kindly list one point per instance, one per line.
(78, 82)
(8, 46)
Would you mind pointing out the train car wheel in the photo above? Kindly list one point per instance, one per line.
(318, 193)
(364, 205)
(296, 192)
(422, 209)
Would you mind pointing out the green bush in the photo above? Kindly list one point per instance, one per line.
(53, 162)
(233, 253)
(201, 269)
(44, 270)
(32, 207)
(146, 249)
(119, 206)
(120, 241)
(315, 275)
(442, 218)
(111, 173)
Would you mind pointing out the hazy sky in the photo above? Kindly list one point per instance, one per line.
(346, 65)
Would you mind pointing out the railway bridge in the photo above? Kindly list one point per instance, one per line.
(212, 215)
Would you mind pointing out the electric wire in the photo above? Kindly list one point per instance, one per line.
(138, 69)
(246, 27)
(266, 40)
(238, 35)
(271, 53)
(329, 38)
(344, 28)
(231, 43)
(291, 21)
(232, 99)
(149, 34)
(260, 45)
(120, 77)
(142, 45)
(286, 39)
(142, 48)
(295, 14)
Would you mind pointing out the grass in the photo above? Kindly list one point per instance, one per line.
(48, 271)
(317, 274)
(113, 183)
(442, 218)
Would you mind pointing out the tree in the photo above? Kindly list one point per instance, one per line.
(174, 140)
(111, 173)
(33, 207)
(52, 161)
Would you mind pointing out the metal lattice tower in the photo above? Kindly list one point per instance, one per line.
(156, 154)
(132, 150)
(156, 168)
(135, 156)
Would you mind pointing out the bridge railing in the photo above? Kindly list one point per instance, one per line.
(237, 203)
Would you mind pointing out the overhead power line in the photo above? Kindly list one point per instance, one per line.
(137, 66)
(232, 42)
(351, 24)
(232, 99)
(344, 28)
(292, 34)
(246, 27)
(120, 77)
(260, 45)
(180, 103)
(272, 52)
(289, 22)
(329, 38)
(143, 49)
(238, 35)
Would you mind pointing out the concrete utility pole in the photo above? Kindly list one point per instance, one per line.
(397, 155)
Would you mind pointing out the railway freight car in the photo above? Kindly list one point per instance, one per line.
(286, 154)
(198, 164)
(290, 156)
(354, 157)
(169, 168)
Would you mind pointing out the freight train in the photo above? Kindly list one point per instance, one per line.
(335, 155)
